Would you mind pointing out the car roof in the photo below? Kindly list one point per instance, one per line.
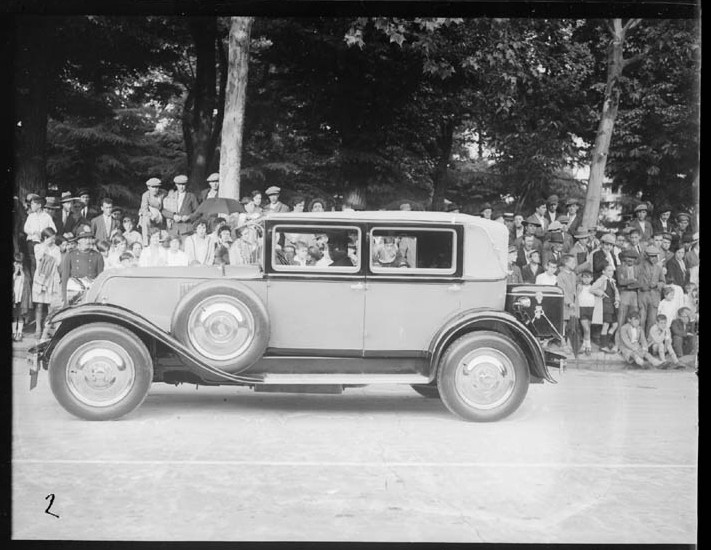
(413, 216)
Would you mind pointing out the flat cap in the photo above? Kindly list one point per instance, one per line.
(556, 237)
(508, 216)
(85, 235)
(83, 191)
(571, 201)
(629, 253)
(581, 233)
(180, 179)
(667, 236)
(512, 248)
(607, 238)
(681, 215)
(652, 250)
(485, 206)
(555, 226)
(539, 202)
(153, 182)
(33, 197)
(532, 220)
(213, 177)
(562, 219)
(552, 199)
(664, 208)
(246, 199)
(273, 190)
(641, 208)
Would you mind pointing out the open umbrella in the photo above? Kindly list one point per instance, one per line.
(219, 205)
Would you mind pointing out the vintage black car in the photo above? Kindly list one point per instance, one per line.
(417, 298)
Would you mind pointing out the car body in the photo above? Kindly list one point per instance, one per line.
(416, 298)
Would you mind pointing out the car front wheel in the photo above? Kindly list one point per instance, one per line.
(100, 371)
(483, 377)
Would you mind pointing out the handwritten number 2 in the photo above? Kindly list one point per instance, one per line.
(51, 501)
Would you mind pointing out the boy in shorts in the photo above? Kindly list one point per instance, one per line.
(606, 289)
(660, 341)
(633, 345)
(586, 306)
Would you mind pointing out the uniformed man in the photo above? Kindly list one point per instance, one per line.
(81, 263)
(274, 205)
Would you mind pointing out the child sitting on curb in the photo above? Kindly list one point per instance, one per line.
(633, 345)
(660, 342)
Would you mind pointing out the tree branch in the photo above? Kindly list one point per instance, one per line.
(634, 59)
(631, 24)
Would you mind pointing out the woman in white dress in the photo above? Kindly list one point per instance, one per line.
(155, 254)
(46, 284)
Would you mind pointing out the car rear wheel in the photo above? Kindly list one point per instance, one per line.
(483, 377)
(100, 371)
(226, 325)
(427, 390)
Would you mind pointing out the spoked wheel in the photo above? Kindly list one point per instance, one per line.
(100, 371)
(483, 377)
(427, 390)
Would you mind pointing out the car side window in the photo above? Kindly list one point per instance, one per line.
(430, 251)
(315, 248)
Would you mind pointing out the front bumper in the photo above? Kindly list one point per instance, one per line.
(36, 361)
(555, 360)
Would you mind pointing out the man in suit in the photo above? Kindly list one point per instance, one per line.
(66, 219)
(663, 223)
(551, 214)
(677, 270)
(103, 225)
(642, 224)
(275, 205)
(604, 255)
(86, 209)
(529, 245)
(555, 252)
(635, 240)
(179, 207)
(213, 180)
(627, 275)
(517, 230)
(574, 221)
(53, 207)
(540, 216)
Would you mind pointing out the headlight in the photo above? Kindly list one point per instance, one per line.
(76, 289)
(523, 302)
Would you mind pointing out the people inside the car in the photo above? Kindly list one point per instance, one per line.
(388, 254)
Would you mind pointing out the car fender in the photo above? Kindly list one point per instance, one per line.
(72, 317)
(496, 321)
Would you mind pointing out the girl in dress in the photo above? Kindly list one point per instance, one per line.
(46, 285)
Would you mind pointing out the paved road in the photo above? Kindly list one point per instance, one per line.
(607, 457)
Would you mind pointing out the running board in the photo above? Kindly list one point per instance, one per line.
(345, 379)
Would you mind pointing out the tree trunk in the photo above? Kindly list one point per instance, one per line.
(440, 177)
(235, 99)
(615, 65)
(32, 75)
(198, 119)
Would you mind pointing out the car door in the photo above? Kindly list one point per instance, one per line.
(413, 287)
(317, 308)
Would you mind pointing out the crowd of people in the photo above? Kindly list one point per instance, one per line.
(637, 286)
(635, 292)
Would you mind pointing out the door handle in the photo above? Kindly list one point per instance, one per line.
(454, 288)
(358, 286)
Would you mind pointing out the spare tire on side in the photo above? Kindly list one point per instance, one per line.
(225, 324)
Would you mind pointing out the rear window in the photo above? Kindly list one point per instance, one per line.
(316, 248)
(428, 251)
